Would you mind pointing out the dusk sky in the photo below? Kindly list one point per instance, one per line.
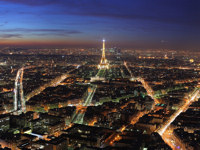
(83, 23)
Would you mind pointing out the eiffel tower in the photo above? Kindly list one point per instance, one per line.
(103, 63)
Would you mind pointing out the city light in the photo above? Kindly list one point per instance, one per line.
(99, 75)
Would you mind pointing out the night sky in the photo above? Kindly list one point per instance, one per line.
(83, 23)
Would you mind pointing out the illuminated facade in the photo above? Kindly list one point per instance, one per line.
(104, 63)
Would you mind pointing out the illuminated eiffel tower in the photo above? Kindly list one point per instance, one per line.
(103, 63)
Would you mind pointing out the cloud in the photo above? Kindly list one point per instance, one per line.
(32, 2)
(55, 34)
(178, 12)
(163, 41)
(171, 12)
(6, 36)
(3, 24)
(39, 32)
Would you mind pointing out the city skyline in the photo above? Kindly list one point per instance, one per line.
(83, 24)
(99, 74)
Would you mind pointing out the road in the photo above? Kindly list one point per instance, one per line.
(149, 90)
(19, 92)
(115, 136)
(16, 88)
(170, 139)
(125, 64)
(53, 83)
(164, 131)
(178, 112)
(79, 115)
(145, 84)
(91, 93)
(23, 102)
(156, 67)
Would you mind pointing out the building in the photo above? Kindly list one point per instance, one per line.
(4, 122)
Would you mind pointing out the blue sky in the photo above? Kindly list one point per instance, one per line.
(83, 23)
